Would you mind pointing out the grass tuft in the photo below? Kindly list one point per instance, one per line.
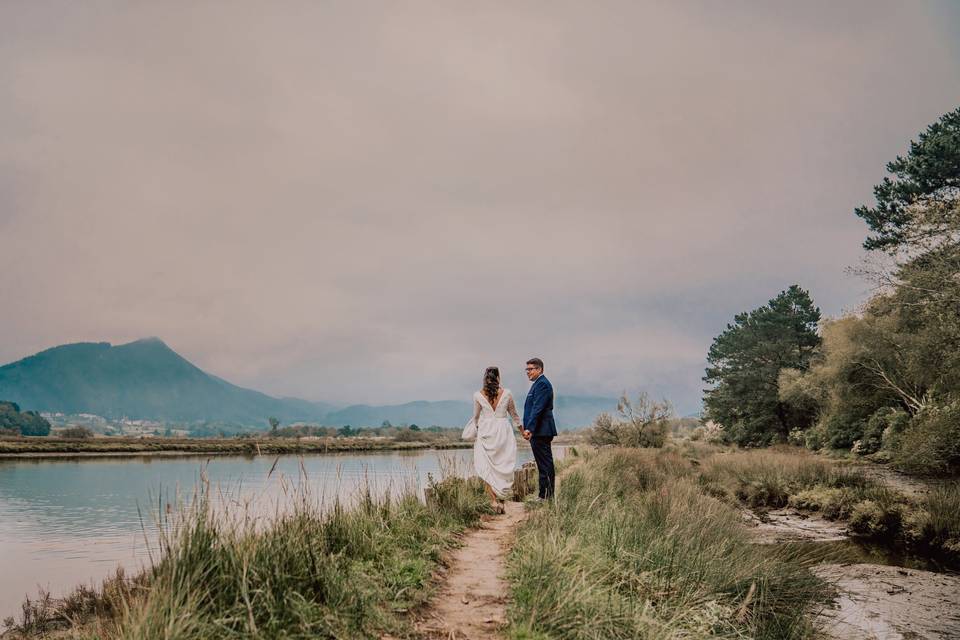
(633, 548)
(313, 573)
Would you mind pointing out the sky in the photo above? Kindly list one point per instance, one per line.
(371, 202)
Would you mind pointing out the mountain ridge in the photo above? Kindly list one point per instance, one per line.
(146, 379)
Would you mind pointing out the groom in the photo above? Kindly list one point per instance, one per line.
(538, 425)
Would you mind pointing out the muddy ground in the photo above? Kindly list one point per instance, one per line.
(875, 600)
(890, 603)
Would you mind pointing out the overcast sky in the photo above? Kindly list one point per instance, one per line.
(370, 202)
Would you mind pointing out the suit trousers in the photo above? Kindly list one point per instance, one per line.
(543, 454)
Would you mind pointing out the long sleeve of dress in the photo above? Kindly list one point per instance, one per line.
(512, 410)
(476, 411)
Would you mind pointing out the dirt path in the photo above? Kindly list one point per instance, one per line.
(472, 602)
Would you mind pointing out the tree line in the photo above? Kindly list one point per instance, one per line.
(21, 423)
(884, 381)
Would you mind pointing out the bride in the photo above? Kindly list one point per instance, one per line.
(495, 450)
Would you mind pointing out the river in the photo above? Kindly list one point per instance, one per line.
(65, 522)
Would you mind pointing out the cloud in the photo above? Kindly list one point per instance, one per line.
(360, 202)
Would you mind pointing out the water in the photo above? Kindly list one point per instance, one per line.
(65, 522)
(854, 551)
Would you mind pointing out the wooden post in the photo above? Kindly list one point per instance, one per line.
(524, 481)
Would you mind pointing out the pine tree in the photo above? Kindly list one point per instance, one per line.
(744, 365)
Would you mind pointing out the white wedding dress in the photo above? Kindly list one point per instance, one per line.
(495, 450)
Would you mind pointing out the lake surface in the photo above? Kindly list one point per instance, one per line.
(65, 522)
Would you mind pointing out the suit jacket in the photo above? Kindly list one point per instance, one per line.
(538, 409)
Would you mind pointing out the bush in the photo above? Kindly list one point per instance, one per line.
(873, 519)
(931, 444)
(28, 423)
(76, 432)
(643, 423)
(880, 429)
(413, 435)
(815, 438)
(941, 526)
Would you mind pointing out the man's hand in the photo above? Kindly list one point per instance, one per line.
(527, 434)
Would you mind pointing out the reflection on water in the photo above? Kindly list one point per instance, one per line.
(64, 522)
(853, 551)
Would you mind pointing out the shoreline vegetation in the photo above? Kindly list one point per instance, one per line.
(640, 543)
(881, 382)
(634, 548)
(118, 446)
(654, 543)
(319, 571)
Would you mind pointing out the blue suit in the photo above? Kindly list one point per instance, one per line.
(538, 420)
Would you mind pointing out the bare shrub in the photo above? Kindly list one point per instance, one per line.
(641, 423)
(76, 432)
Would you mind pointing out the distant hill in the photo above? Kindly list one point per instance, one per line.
(144, 379)
(570, 412)
(147, 380)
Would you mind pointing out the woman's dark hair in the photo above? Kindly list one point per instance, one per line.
(491, 384)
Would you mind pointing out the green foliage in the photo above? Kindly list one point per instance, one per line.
(873, 519)
(26, 423)
(886, 382)
(883, 426)
(745, 363)
(940, 527)
(931, 444)
(925, 180)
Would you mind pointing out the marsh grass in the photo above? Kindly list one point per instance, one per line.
(315, 571)
(937, 523)
(633, 548)
(774, 478)
(769, 478)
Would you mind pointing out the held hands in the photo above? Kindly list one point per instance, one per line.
(527, 434)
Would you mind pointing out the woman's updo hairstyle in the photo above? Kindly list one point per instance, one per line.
(491, 384)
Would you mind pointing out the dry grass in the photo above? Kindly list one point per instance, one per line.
(314, 573)
(633, 548)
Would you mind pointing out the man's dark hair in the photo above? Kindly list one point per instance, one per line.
(537, 362)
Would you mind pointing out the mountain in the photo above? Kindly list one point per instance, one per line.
(144, 379)
(570, 411)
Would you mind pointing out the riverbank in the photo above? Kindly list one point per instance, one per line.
(886, 540)
(633, 548)
(694, 541)
(901, 513)
(53, 447)
(340, 572)
(677, 542)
